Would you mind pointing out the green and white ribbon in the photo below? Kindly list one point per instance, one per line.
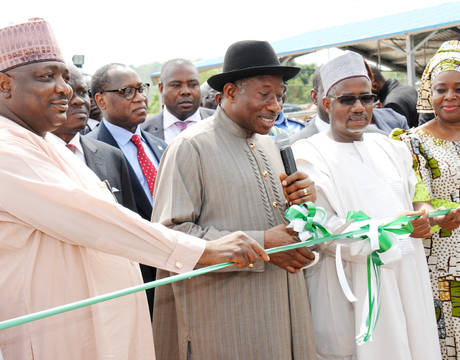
(319, 235)
(382, 244)
(307, 220)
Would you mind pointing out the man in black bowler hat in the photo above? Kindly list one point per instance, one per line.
(223, 175)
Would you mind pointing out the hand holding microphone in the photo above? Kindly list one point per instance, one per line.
(297, 186)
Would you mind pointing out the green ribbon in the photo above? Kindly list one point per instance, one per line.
(307, 220)
(105, 297)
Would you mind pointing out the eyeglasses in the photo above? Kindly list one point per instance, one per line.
(130, 92)
(366, 99)
(209, 96)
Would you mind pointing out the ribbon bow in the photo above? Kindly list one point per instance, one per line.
(307, 220)
(382, 244)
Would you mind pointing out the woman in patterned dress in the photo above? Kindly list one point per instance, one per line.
(435, 147)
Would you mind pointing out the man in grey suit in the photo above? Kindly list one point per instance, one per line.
(180, 88)
(220, 175)
(107, 162)
(122, 98)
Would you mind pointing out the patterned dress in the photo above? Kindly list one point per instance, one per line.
(437, 162)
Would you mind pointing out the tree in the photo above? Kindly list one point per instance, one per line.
(299, 87)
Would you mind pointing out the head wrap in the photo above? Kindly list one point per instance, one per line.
(27, 43)
(447, 58)
(347, 66)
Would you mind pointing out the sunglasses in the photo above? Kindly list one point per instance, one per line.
(366, 99)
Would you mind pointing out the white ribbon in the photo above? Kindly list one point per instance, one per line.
(367, 246)
(341, 274)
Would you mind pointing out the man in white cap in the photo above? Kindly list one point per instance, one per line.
(354, 170)
(63, 238)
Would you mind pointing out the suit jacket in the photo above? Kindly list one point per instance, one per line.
(154, 124)
(108, 163)
(311, 130)
(388, 119)
(144, 208)
(401, 98)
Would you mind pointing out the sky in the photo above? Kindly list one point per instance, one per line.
(142, 31)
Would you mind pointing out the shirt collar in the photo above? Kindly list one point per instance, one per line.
(169, 119)
(321, 124)
(92, 123)
(75, 141)
(232, 127)
(281, 120)
(121, 136)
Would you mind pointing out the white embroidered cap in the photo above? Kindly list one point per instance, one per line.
(347, 66)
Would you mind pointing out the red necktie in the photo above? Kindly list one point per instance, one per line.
(147, 166)
(71, 147)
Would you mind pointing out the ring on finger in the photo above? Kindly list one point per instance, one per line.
(251, 265)
(305, 191)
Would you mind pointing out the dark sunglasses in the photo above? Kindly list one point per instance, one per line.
(366, 99)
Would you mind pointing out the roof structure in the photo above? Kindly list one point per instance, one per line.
(404, 42)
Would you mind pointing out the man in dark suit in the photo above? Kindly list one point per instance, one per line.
(122, 98)
(394, 95)
(180, 89)
(107, 162)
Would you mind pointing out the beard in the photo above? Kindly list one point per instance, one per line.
(357, 130)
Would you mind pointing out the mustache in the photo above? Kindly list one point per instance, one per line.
(357, 117)
(61, 97)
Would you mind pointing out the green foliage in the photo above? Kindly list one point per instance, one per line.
(204, 76)
(299, 87)
(154, 105)
(401, 77)
(145, 70)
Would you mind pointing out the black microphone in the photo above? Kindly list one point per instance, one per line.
(283, 142)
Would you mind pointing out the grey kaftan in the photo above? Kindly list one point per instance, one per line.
(213, 180)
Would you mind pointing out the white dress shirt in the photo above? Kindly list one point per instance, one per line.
(92, 124)
(75, 142)
(169, 120)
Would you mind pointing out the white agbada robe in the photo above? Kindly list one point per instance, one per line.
(375, 176)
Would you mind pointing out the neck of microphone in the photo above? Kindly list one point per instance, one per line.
(284, 144)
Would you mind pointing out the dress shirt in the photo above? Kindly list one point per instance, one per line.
(171, 130)
(75, 142)
(92, 124)
(321, 124)
(123, 139)
(290, 126)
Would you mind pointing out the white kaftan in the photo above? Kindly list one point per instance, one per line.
(375, 176)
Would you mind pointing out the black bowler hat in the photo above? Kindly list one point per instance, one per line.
(249, 58)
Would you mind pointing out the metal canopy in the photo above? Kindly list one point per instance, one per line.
(404, 42)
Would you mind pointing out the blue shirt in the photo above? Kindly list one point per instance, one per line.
(123, 139)
(290, 126)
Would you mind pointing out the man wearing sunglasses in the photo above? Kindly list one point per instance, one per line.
(356, 171)
(384, 119)
(122, 98)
